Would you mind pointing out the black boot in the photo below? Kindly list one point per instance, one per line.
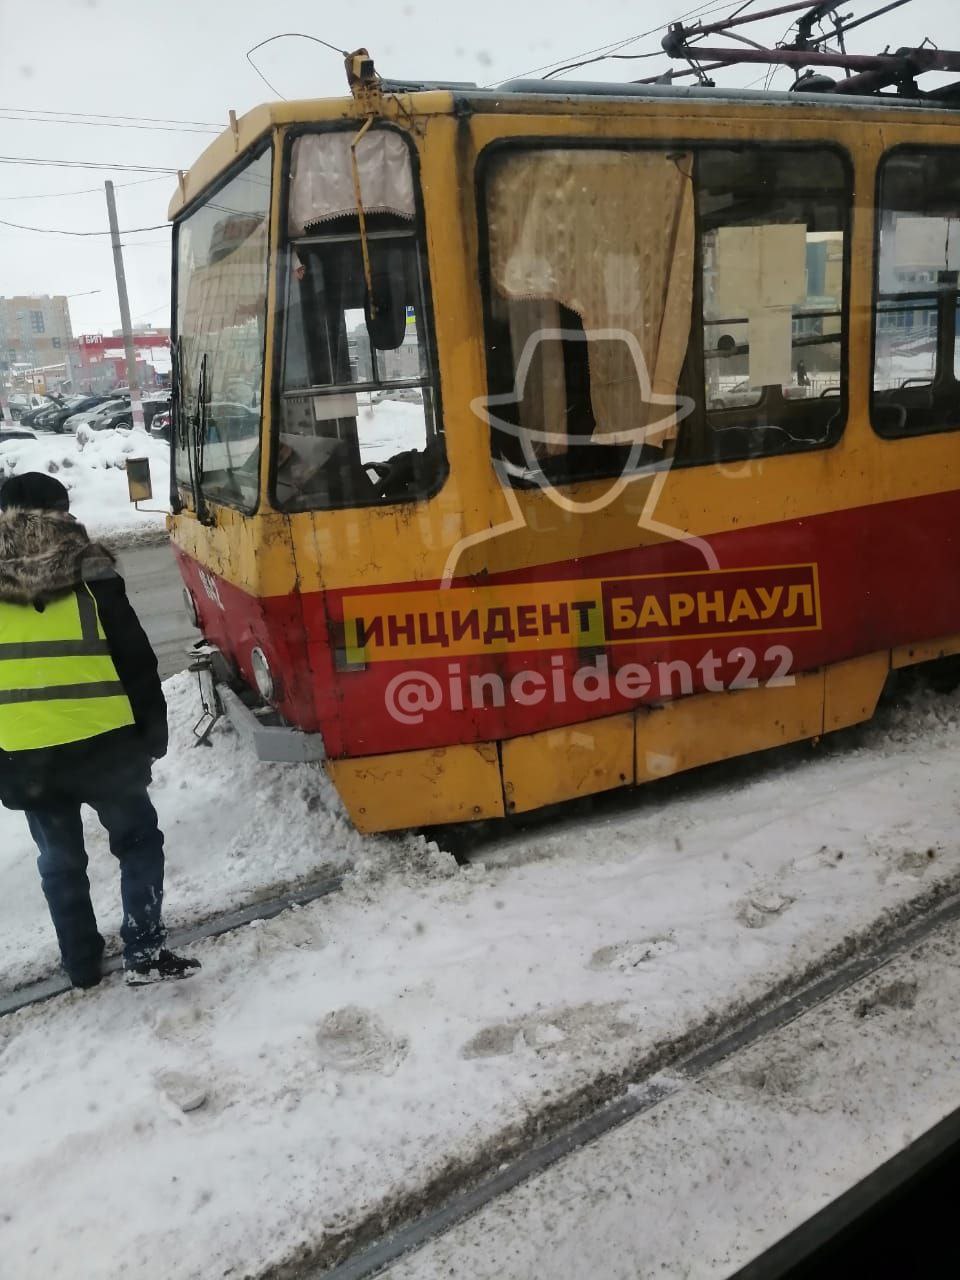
(159, 968)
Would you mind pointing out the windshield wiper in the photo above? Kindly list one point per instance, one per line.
(199, 442)
(191, 436)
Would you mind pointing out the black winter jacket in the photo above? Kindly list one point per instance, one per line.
(44, 554)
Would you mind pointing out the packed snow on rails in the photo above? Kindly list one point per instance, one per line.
(337, 1061)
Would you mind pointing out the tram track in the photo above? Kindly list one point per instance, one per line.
(399, 1227)
(42, 989)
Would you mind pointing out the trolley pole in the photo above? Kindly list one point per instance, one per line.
(135, 405)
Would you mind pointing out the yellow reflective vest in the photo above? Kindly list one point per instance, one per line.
(58, 683)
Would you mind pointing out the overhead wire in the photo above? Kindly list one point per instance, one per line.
(699, 11)
(103, 115)
(59, 231)
(104, 124)
(83, 191)
(87, 164)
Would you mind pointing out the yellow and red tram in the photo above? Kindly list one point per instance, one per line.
(535, 442)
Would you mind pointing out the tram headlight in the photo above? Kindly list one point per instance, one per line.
(262, 674)
(193, 613)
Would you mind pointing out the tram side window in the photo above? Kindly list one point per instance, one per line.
(916, 388)
(773, 224)
(590, 276)
(222, 258)
(357, 421)
(645, 305)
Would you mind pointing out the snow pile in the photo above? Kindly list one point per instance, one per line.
(91, 464)
(340, 1056)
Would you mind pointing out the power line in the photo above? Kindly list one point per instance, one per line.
(699, 10)
(103, 124)
(102, 115)
(87, 164)
(54, 195)
(57, 231)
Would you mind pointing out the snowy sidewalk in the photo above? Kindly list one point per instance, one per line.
(346, 1055)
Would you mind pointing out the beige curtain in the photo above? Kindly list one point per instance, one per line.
(610, 235)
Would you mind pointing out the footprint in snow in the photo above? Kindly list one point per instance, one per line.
(353, 1039)
(760, 909)
(562, 1029)
(625, 957)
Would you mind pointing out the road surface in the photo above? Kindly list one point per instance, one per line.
(156, 592)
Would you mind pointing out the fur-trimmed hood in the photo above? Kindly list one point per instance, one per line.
(44, 554)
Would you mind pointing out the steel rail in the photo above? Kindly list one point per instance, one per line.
(58, 984)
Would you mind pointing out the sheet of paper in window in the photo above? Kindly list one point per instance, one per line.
(930, 244)
(758, 267)
(344, 405)
(771, 338)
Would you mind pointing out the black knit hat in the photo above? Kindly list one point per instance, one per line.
(34, 491)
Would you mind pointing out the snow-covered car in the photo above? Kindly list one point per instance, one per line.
(15, 433)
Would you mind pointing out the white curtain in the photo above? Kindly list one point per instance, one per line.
(322, 177)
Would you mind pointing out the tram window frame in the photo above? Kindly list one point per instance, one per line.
(936, 154)
(682, 454)
(182, 488)
(428, 384)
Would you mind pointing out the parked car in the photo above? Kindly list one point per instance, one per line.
(115, 413)
(29, 416)
(15, 433)
(57, 420)
(43, 418)
(161, 427)
(152, 405)
(84, 417)
(23, 401)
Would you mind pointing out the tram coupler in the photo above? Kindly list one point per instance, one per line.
(209, 665)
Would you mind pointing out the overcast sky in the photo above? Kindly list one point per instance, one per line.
(184, 60)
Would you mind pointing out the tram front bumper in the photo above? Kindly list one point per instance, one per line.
(260, 726)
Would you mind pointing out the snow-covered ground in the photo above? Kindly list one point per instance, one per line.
(349, 1052)
(92, 466)
(733, 1161)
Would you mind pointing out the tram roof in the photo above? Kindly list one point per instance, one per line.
(445, 97)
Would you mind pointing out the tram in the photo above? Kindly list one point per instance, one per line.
(539, 441)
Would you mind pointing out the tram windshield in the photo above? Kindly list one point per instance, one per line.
(221, 256)
(357, 420)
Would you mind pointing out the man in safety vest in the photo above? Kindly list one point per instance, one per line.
(82, 717)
